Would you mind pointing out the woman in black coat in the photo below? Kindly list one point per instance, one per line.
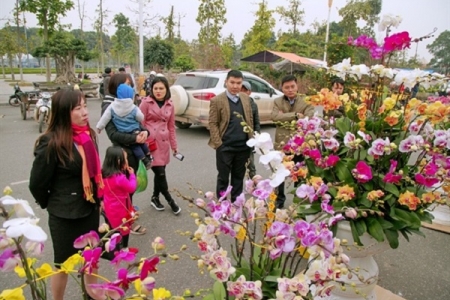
(65, 179)
(122, 139)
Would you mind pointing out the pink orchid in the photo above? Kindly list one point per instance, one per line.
(380, 147)
(314, 154)
(9, 259)
(397, 41)
(330, 144)
(431, 169)
(392, 178)
(362, 172)
(426, 181)
(91, 258)
(349, 138)
(113, 242)
(149, 266)
(124, 279)
(331, 160)
(411, 143)
(90, 239)
(327, 207)
(306, 191)
(107, 291)
(123, 255)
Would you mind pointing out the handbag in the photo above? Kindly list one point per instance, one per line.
(152, 146)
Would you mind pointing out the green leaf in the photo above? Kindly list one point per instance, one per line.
(271, 278)
(361, 227)
(364, 201)
(313, 209)
(425, 217)
(219, 290)
(355, 233)
(392, 189)
(343, 125)
(410, 217)
(368, 186)
(392, 237)
(343, 172)
(385, 224)
(209, 297)
(374, 228)
(417, 231)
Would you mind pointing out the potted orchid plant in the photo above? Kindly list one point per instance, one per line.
(22, 243)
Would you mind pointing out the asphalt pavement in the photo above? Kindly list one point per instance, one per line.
(416, 270)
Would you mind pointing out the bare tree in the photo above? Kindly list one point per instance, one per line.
(19, 37)
(180, 16)
(82, 16)
(99, 26)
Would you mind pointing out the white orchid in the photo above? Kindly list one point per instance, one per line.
(21, 207)
(359, 70)
(389, 20)
(279, 175)
(272, 157)
(25, 227)
(341, 69)
(262, 142)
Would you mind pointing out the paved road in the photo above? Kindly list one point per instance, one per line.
(417, 270)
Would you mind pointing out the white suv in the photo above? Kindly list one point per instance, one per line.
(193, 90)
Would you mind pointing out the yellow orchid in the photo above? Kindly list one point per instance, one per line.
(389, 103)
(71, 262)
(161, 294)
(45, 270)
(21, 271)
(14, 294)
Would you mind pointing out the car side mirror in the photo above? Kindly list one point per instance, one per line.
(272, 91)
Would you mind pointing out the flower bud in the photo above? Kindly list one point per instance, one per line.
(209, 195)
(147, 285)
(200, 202)
(351, 213)
(184, 247)
(158, 244)
(7, 190)
(195, 215)
(174, 257)
(364, 214)
(103, 228)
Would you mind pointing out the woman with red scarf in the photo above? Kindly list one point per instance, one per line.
(66, 179)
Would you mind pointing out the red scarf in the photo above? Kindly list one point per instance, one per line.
(91, 161)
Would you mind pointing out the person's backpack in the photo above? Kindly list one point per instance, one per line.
(147, 85)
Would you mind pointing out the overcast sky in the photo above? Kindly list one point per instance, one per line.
(420, 17)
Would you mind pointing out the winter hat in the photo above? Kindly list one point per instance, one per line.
(125, 91)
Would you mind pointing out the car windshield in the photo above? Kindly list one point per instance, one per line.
(191, 82)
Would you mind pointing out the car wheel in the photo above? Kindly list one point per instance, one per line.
(180, 99)
(182, 125)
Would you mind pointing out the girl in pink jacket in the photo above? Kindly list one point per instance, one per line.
(120, 181)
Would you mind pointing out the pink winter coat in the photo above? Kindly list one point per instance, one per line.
(160, 122)
(116, 199)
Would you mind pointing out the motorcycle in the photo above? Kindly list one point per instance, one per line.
(14, 100)
(42, 110)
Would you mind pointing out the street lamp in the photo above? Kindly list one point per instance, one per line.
(330, 3)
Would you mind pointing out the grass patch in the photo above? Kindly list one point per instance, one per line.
(21, 83)
(42, 71)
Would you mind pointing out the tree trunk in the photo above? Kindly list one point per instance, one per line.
(11, 67)
(3, 68)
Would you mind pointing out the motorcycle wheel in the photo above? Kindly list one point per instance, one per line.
(23, 110)
(41, 122)
(14, 101)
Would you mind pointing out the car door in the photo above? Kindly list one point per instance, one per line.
(261, 94)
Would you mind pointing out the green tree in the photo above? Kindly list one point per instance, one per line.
(39, 53)
(211, 17)
(229, 50)
(10, 46)
(47, 13)
(440, 49)
(159, 53)
(261, 34)
(124, 40)
(64, 48)
(169, 21)
(292, 15)
(184, 63)
(360, 10)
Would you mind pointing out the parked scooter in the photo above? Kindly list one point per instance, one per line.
(14, 99)
(42, 110)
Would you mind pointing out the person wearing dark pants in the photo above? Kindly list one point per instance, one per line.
(287, 108)
(247, 89)
(227, 135)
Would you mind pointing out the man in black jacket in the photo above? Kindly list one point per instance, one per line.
(247, 89)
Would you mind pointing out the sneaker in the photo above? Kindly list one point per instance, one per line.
(156, 204)
(175, 208)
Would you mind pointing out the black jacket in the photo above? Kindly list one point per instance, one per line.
(256, 124)
(57, 187)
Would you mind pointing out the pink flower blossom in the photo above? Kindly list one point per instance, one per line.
(91, 258)
(123, 255)
(379, 147)
(107, 291)
(362, 172)
(351, 213)
(397, 41)
(425, 180)
(327, 207)
(124, 279)
(349, 140)
(331, 160)
(9, 259)
(149, 266)
(90, 239)
(431, 169)
(306, 191)
(314, 154)
(330, 144)
(113, 241)
(411, 143)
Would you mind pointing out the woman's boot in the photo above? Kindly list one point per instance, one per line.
(156, 204)
(173, 205)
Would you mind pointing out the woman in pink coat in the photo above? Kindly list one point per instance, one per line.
(159, 119)
(120, 182)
